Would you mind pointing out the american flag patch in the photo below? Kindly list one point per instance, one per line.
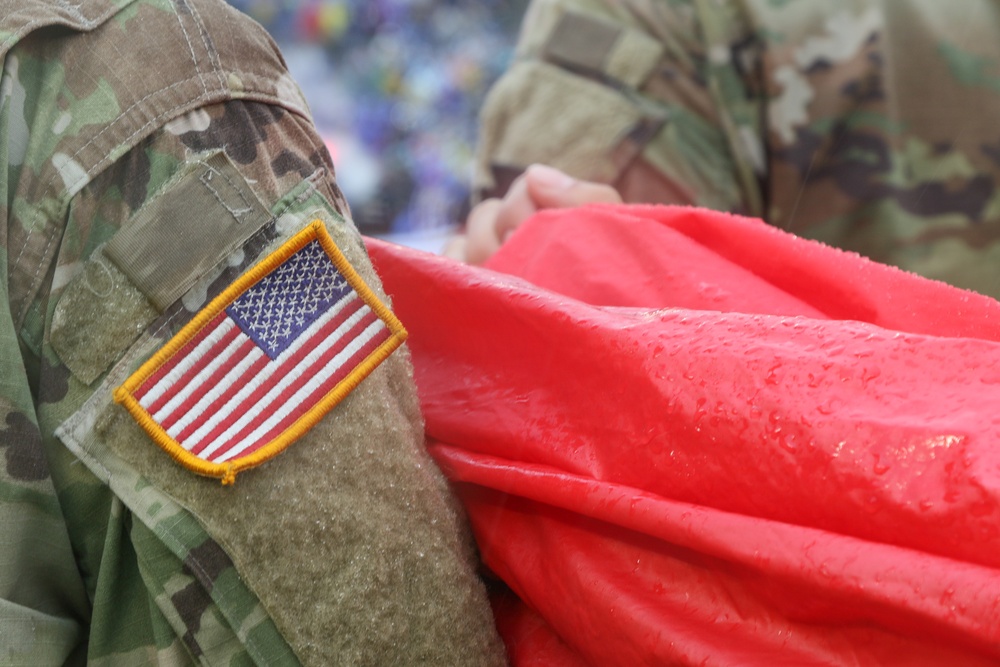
(264, 361)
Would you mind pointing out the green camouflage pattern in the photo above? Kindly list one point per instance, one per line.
(866, 124)
(110, 554)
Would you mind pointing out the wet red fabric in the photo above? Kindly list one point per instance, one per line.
(684, 437)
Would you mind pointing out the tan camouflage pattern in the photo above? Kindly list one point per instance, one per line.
(110, 554)
(867, 124)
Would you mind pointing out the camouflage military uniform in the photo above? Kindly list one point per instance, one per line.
(177, 117)
(867, 124)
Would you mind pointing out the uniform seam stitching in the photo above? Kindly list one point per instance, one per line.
(213, 54)
(187, 38)
(233, 211)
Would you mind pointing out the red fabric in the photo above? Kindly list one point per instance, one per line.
(693, 439)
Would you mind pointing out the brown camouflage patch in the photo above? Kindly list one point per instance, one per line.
(23, 449)
(242, 130)
(54, 385)
(191, 602)
(207, 562)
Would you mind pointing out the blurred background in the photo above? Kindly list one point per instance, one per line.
(395, 87)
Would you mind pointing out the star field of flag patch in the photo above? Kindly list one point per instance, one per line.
(264, 361)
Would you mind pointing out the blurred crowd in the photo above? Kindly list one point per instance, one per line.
(395, 87)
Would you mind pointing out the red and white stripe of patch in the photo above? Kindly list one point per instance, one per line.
(220, 397)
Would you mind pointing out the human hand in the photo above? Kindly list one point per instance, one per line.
(491, 222)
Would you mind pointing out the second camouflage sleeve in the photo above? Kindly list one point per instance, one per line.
(648, 96)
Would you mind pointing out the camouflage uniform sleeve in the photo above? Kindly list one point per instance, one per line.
(44, 609)
(347, 548)
(656, 98)
(371, 513)
(866, 125)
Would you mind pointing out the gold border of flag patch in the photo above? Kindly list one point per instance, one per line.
(227, 471)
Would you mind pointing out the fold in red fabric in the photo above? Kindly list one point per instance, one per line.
(686, 438)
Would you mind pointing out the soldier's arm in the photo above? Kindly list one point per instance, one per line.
(44, 610)
(655, 98)
(161, 195)
(351, 521)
